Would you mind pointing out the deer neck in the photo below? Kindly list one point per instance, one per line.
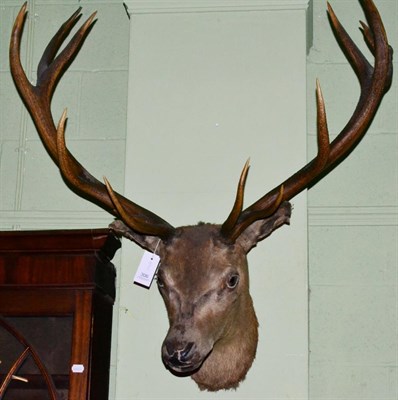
(232, 356)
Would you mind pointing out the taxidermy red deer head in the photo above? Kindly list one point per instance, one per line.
(203, 276)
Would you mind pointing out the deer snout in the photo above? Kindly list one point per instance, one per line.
(181, 357)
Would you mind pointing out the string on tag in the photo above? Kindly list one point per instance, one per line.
(154, 252)
(157, 245)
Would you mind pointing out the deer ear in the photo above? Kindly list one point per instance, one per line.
(262, 228)
(147, 242)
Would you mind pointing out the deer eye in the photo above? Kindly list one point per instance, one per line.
(233, 281)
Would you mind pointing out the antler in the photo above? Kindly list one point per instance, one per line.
(38, 102)
(374, 83)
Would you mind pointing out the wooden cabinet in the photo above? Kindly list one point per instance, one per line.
(57, 290)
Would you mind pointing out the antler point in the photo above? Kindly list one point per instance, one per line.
(61, 123)
(91, 18)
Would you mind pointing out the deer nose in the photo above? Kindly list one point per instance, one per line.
(181, 353)
(179, 356)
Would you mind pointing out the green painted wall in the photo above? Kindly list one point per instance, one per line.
(206, 94)
(32, 195)
(353, 234)
(353, 242)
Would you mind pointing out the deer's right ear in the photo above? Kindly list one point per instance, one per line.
(262, 228)
(147, 242)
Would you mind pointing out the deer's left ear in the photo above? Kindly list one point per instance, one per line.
(262, 228)
(147, 242)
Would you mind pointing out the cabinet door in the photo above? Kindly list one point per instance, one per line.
(35, 354)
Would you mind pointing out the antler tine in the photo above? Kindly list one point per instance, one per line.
(358, 61)
(268, 204)
(374, 82)
(367, 34)
(55, 43)
(238, 205)
(38, 97)
(51, 69)
(15, 48)
(373, 88)
(134, 216)
(38, 102)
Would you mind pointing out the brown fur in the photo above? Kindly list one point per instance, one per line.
(224, 325)
(213, 331)
(231, 357)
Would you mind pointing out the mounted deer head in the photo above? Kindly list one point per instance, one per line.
(203, 276)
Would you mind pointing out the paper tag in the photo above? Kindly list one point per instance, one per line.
(77, 368)
(147, 269)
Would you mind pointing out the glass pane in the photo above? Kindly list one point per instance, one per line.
(51, 339)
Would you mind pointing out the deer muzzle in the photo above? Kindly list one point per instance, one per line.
(181, 357)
